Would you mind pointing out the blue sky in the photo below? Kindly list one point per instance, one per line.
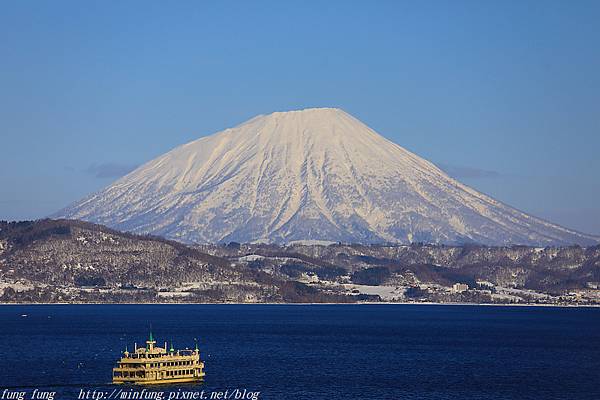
(504, 95)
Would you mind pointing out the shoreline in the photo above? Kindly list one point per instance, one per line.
(313, 304)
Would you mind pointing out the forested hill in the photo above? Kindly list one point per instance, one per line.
(74, 261)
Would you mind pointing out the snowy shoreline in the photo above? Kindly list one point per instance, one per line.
(313, 304)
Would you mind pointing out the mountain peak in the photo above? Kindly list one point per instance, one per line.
(312, 125)
(308, 116)
(311, 110)
(313, 174)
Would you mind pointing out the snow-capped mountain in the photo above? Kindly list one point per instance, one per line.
(315, 174)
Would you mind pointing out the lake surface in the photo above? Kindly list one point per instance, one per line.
(316, 351)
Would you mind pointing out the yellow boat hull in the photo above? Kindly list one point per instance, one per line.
(158, 381)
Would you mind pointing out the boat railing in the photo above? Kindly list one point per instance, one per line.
(180, 353)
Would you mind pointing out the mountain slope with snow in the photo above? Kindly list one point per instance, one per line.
(315, 174)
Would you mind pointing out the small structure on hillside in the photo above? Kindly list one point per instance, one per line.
(460, 287)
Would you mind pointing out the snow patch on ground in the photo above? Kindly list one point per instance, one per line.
(387, 293)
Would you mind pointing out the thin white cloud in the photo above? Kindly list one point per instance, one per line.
(462, 172)
(110, 170)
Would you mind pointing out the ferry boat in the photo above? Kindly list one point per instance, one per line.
(152, 365)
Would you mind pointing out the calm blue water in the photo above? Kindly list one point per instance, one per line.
(318, 352)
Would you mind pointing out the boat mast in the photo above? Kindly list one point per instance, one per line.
(150, 343)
